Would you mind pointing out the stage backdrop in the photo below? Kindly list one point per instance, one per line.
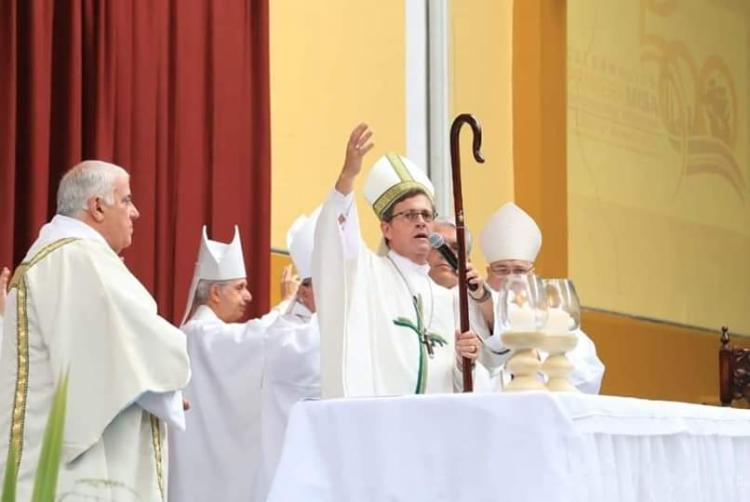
(658, 177)
(176, 92)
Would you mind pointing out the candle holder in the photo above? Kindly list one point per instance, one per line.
(563, 319)
(522, 312)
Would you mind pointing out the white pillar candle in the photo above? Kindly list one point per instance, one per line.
(521, 320)
(559, 322)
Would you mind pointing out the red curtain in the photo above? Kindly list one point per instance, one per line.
(175, 91)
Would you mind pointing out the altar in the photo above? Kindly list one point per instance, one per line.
(529, 446)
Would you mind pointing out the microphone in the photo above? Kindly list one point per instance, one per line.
(438, 244)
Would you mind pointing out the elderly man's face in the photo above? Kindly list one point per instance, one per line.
(229, 301)
(440, 271)
(409, 228)
(498, 271)
(115, 221)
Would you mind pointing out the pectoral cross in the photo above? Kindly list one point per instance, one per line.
(426, 339)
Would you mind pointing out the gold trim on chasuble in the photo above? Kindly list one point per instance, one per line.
(405, 184)
(156, 441)
(22, 341)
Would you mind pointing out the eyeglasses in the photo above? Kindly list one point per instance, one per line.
(413, 215)
(511, 270)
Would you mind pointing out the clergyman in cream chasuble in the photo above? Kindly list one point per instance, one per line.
(74, 306)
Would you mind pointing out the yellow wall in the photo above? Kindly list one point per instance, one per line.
(539, 125)
(278, 262)
(333, 64)
(480, 77)
(657, 361)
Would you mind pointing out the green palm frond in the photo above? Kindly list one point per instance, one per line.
(9, 485)
(45, 481)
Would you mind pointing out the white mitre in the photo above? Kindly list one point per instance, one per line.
(390, 177)
(216, 262)
(299, 241)
(510, 234)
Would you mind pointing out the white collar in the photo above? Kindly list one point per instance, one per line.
(205, 313)
(407, 266)
(61, 227)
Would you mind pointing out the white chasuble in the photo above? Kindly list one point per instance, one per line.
(291, 373)
(216, 457)
(74, 306)
(386, 327)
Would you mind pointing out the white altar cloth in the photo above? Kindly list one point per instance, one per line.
(516, 447)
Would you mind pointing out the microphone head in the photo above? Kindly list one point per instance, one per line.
(436, 240)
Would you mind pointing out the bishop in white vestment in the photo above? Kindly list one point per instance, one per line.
(291, 369)
(386, 327)
(217, 456)
(75, 307)
(510, 242)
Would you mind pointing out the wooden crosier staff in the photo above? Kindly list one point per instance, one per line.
(458, 205)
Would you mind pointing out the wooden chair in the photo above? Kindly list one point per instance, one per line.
(734, 371)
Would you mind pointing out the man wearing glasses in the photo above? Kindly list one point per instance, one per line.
(510, 243)
(386, 327)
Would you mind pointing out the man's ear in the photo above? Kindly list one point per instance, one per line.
(385, 229)
(94, 208)
(214, 293)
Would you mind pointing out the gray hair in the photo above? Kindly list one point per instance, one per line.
(449, 222)
(90, 178)
(203, 288)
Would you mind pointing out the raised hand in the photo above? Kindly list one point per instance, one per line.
(356, 148)
(289, 283)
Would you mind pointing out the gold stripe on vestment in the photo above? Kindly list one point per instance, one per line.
(156, 441)
(22, 341)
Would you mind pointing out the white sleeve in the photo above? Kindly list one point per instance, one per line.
(164, 405)
(494, 353)
(589, 369)
(266, 320)
(348, 219)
